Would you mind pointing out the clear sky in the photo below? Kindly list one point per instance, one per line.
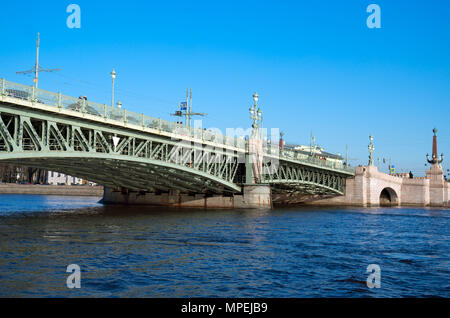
(315, 64)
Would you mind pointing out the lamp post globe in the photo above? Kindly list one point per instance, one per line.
(255, 98)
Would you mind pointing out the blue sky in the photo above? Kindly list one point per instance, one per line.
(315, 64)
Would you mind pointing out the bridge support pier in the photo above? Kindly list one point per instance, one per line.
(253, 197)
(371, 187)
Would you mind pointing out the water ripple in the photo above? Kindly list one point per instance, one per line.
(160, 252)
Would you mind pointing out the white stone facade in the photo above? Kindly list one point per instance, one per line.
(56, 178)
(366, 187)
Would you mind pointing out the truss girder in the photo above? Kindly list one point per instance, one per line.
(121, 157)
(87, 150)
(290, 177)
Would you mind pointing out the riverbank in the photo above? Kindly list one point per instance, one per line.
(65, 190)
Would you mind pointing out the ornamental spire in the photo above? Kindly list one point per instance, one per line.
(434, 157)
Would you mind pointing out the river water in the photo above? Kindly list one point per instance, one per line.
(160, 252)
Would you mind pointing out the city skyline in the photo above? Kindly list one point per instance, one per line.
(316, 67)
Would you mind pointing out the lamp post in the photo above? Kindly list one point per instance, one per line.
(260, 117)
(113, 76)
(371, 149)
(255, 113)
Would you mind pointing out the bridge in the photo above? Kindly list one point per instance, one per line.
(129, 152)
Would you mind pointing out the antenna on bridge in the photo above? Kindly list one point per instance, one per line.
(186, 109)
(37, 68)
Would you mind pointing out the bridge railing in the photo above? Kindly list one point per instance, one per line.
(296, 156)
(60, 101)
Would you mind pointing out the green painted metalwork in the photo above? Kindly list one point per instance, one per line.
(85, 149)
(305, 179)
(74, 136)
(122, 115)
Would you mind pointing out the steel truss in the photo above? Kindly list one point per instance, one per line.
(304, 179)
(138, 161)
(144, 161)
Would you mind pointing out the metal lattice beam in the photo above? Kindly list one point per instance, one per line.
(59, 133)
(85, 149)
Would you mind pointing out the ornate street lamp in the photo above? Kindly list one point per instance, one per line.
(371, 149)
(255, 113)
(253, 110)
(256, 98)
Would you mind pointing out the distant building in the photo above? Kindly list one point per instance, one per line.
(56, 178)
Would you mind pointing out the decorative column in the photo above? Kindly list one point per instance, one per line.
(254, 156)
(434, 157)
(438, 185)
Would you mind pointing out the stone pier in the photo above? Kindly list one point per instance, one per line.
(253, 197)
(369, 187)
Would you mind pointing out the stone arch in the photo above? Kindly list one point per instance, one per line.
(388, 197)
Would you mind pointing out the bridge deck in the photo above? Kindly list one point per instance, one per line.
(38, 126)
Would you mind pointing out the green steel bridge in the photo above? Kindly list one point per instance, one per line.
(122, 149)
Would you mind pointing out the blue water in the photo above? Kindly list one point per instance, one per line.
(160, 252)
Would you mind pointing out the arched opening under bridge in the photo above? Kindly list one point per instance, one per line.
(388, 197)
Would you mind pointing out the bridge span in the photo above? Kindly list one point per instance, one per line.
(137, 155)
